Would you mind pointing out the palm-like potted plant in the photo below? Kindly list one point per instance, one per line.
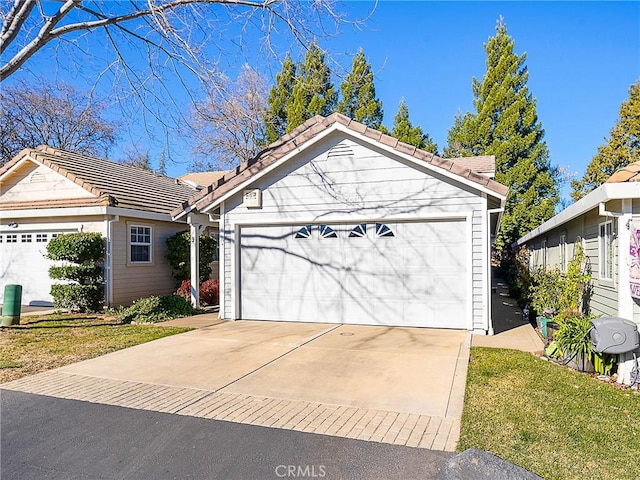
(574, 342)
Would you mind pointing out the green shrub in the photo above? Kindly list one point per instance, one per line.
(83, 298)
(566, 294)
(180, 259)
(76, 247)
(83, 254)
(157, 309)
(83, 274)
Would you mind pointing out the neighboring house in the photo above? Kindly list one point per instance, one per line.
(606, 222)
(46, 191)
(338, 223)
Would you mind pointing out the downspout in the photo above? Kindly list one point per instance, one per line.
(109, 263)
(492, 211)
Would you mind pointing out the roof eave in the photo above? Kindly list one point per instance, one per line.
(604, 193)
(501, 192)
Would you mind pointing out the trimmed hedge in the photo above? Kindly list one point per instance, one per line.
(83, 298)
(77, 247)
(83, 254)
(83, 274)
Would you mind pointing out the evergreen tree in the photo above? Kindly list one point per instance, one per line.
(279, 100)
(404, 131)
(622, 148)
(162, 164)
(359, 94)
(505, 124)
(313, 93)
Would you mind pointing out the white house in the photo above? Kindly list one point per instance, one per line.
(46, 191)
(339, 223)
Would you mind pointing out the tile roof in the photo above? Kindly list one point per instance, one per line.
(306, 132)
(630, 173)
(483, 164)
(203, 178)
(118, 185)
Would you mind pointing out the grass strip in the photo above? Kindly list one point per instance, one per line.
(46, 342)
(553, 421)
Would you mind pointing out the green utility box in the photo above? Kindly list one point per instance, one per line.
(11, 305)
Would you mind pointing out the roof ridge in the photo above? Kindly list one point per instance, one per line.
(306, 132)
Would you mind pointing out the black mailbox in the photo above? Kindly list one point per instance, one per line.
(614, 335)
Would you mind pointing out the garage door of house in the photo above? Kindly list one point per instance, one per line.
(401, 274)
(22, 262)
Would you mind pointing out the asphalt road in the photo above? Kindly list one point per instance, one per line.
(52, 438)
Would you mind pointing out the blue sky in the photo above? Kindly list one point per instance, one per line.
(582, 58)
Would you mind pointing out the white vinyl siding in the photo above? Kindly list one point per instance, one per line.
(340, 180)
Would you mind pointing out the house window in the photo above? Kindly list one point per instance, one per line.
(12, 238)
(304, 232)
(140, 244)
(563, 252)
(327, 232)
(359, 231)
(25, 238)
(543, 251)
(606, 250)
(383, 230)
(41, 237)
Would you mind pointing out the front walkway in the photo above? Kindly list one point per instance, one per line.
(511, 329)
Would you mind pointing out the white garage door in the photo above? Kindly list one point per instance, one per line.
(411, 274)
(22, 262)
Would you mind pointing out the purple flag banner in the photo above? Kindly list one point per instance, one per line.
(634, 252)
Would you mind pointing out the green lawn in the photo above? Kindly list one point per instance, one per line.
(43, 343)
(558, 423)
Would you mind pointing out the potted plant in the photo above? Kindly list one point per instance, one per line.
(574, 342)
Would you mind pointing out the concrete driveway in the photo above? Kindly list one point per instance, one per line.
(393, 385)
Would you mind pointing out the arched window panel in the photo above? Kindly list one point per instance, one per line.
(383, 230)
(327, 232)
(304, 232)
(359, 231)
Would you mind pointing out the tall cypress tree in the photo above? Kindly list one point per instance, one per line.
(313, 92)
(280, 95)
(404, 130)
(505, 124)
(359, 94)
(622, 148)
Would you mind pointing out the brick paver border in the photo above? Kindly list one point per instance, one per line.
(421, 431)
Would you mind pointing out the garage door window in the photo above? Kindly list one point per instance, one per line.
(140, 241)
(304, 232)
(327, 232)
(383, 230)
(41, 238)
(12, 238)
(26, 238)
(358, 231)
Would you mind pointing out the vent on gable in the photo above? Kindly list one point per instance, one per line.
(340, 150)
(37, 177)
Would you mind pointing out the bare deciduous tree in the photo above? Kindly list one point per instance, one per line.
(57, 115)
(147, 50)
(229, 124)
